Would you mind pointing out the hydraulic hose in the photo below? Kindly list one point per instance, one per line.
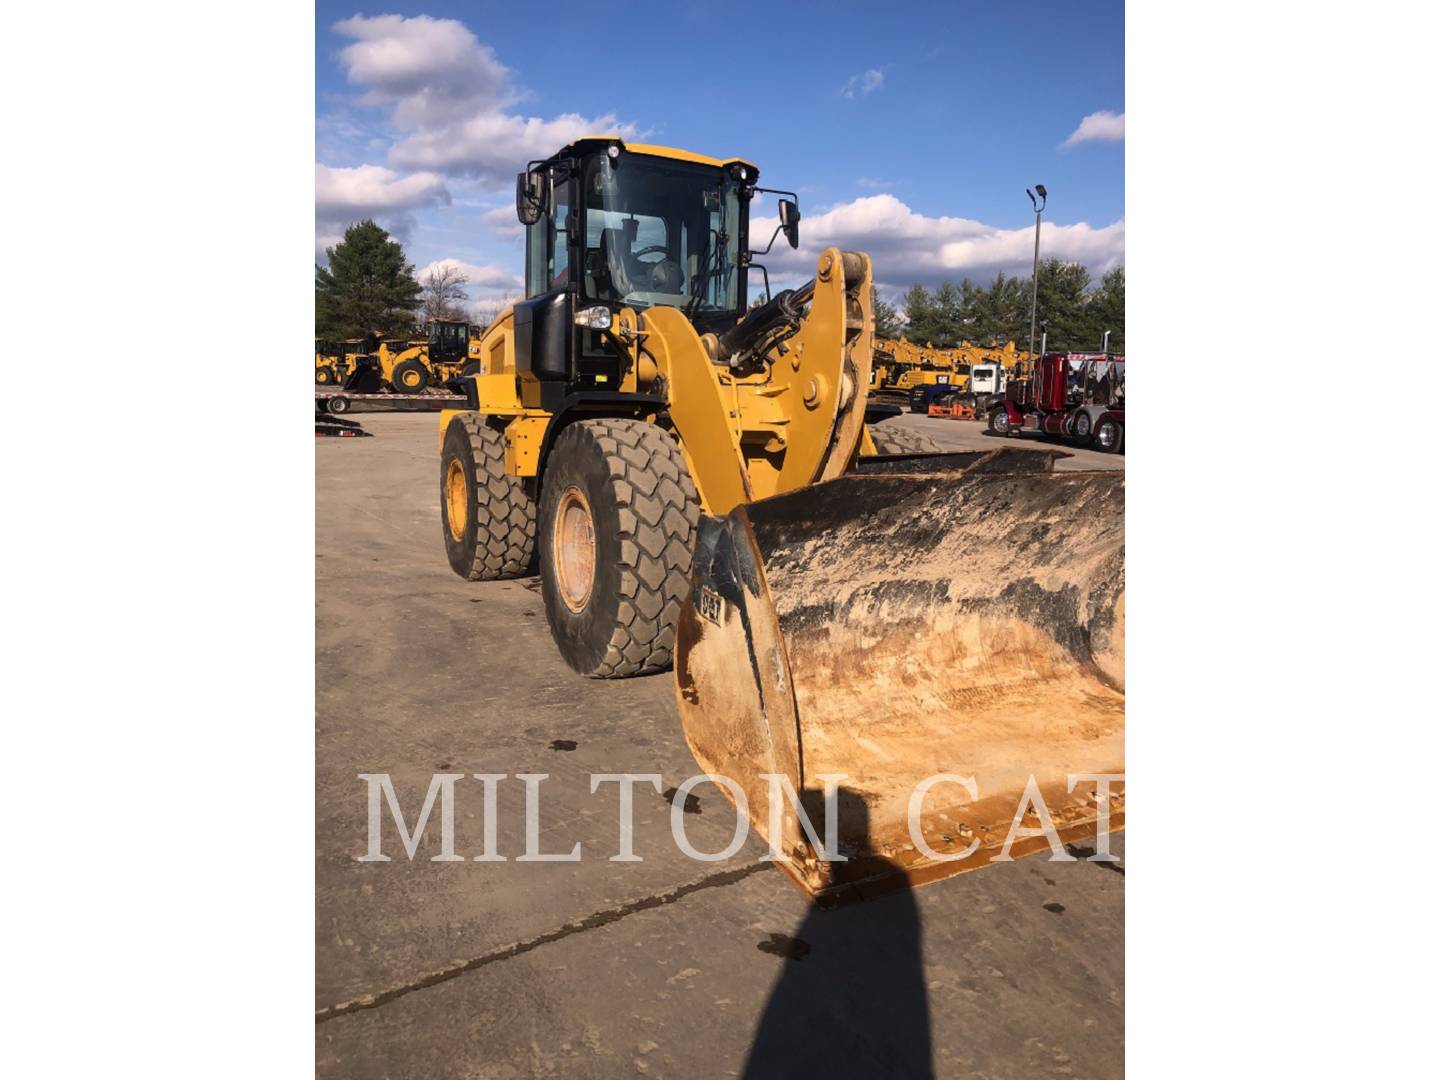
(784, 309)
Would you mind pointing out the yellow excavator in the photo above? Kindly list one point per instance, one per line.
(912, 375)
(698, 485)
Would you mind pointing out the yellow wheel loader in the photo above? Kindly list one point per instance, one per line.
(327, 357)
(448, 350)
(404, 368)
(335, 360)
(409, 366)
(398, 366)
(696, 483)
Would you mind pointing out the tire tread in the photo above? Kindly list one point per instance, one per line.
(504, 511)
(659, 515)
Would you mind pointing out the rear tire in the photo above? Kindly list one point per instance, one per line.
(1081, 429)
(486, 517)
(409, 377)
(1109, 436)
(891, 438)
(618, 520)
(338, 404)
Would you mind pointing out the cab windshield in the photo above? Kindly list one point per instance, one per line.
(661, 232)
(448, 338)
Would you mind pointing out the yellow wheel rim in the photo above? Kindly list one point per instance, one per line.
(457, 499)
(410, 378)
(574, 546)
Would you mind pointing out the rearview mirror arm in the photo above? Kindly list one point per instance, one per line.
(771, 191)
(769, 245)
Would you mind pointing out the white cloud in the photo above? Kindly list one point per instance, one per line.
(1099, 127)
(908, 247)
(430, 70)
(867, 82)
(325, 240)
(487, 279)
(503, 223)
(449, 98)
(494, 146)
(345, 195)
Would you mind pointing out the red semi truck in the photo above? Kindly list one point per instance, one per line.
(1079, 396)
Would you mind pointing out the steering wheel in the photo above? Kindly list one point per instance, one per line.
(664, 273)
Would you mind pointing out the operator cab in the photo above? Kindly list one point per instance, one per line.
(448, 342)
(609, 226)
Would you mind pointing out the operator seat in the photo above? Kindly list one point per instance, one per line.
(615, 257)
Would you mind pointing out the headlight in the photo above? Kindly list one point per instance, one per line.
(596, 318)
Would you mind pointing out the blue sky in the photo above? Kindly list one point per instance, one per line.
(910, 131)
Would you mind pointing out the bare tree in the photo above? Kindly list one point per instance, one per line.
(487, 311)
(443, 293)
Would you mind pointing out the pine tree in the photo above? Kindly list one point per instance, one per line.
(887, 320)
(950, 316)
(1072, 312)
(1107, 305)
(923, 318)
(1062, 307)
(368, 290)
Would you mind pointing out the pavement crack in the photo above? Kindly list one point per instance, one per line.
(593, 921)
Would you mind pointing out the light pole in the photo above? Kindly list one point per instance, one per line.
(1035, 268)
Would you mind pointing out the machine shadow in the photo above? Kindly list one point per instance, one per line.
(851, 1000)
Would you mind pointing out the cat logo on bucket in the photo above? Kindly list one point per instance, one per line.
(710, 605)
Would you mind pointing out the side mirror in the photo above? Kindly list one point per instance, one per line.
(790, 221)
(529, 196)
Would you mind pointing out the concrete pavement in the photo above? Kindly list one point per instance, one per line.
(663, 967)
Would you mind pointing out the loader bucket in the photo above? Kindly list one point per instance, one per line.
(956, 614)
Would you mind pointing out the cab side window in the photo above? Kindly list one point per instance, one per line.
(559, 265)
(547, 262)
(537, 252)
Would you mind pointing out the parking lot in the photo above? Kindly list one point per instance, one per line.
(662, 967)
(971, 435)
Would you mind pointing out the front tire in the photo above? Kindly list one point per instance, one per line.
(1000, 421)
(325, 376)
(618, 519)
(486, 516)
(409, 377)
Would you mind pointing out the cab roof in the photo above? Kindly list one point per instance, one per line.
(587, 143)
